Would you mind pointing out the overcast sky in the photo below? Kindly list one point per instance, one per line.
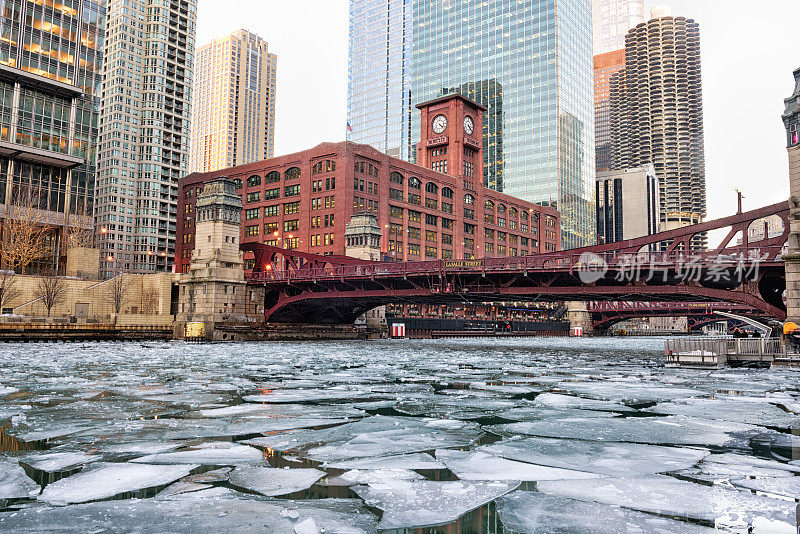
(749, 51)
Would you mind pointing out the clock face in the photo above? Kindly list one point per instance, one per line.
(439, 124)
(469, 125)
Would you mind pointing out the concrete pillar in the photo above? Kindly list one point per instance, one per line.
(791, 120)
(578, 315)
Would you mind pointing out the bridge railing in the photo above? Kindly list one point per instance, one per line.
(643, 262)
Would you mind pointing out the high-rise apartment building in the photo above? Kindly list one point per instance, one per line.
(605, 66)
(144, 131)
(627, 204)
(233, 119)
(528, 62)
(611, 20)
(51, 56)
(657, 113)
(379, 105)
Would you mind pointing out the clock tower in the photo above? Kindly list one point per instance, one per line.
(452, 138)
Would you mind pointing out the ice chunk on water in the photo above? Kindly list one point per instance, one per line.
(14, 483)
(108, 480)
(740, 459)
(630, 391)
(306, 526)
(214, 453)
(668, 496)
(290, 396)
(529, 512)
(7, 390)
(179, 488)
(423, 503)
(656, 430)
(615, 459)
(481, 466)
(417, 461)
(58, 461)
(553, 400)
(144, 447)
(203, 511)
(783, 486)
(749, 410)
(373, 476)
(274, 482)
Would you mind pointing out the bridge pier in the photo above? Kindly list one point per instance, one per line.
(578, 316)
(791, 120)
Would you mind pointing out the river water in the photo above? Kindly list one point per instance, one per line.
(465, 435)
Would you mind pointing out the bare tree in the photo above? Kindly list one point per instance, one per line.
(24, 238)
(116, 293)
(51, 290)
(8, 292)
(78, 230)
(150, 300)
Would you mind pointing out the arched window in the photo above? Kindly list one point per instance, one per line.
(272, 177)
(414, 183)
(524, 215)
(396, 178)
(447, 192)
(488, 205)
(292, 173)
(254, 181)
(431, 188)
(513, 212)
(501, 208)
(469, 199)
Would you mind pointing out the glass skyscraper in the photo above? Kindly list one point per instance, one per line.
(528, 61)
(379, 79)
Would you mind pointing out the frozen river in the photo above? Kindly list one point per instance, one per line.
(477, 435)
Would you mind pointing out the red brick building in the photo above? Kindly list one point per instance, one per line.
(438, 209)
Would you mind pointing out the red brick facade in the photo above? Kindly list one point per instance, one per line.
(305, 200)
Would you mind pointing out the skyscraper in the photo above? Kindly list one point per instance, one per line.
(144, 131)
(233, 118)
(539, 52)
(51, 57)
(379, 105)
(605, 66)
(611, 20)
(657, 113)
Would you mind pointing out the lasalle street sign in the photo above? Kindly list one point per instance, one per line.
(462, 264)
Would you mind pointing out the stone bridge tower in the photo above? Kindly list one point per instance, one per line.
(363, 241)
(791, 119)
(214, 289)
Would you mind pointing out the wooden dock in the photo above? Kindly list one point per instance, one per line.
(707, 352)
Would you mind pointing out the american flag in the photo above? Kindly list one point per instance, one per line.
(349, 128)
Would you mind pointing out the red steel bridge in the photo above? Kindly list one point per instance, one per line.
(308, 288)
(606, 314)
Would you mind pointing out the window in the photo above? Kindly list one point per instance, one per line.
(270, 228)
(447, 208)
(501, 236)
(431, 220)
(501, 208)
(469, 199)
(272, 177)
(447, 239)
(330, 183)
(395, 212)
(501, 249)
(447, 254)
(328, 239)
(488, 218)
(395, 229)
(431, 203)
(255, 196)
(488, 247)
(315, 240)
(488, 234)
(414, 216)
(272, 211)
(291, 243)
(396, 194)
(413, 248)
(432, 188)
(512, 239)
(524, 227)
(316, 186)
(329, 201)
(447, 192)
(501, 221)
(271, 194)
(396, 178)
(253, 181)
(414, 199)
(512, 224)
(291, 207)
(469, 243)
(447, 224)
(469, 228)
(469, 214)
(251, 230)
(523, 241)
(414, 232)
(291, 226)
(251, 213)
(323, 166)
(524, 215)
(513, 212)
(431, 252)
(488, 205)
(291, 190)
(414, 183)
(237, 183)
(432, 236)
(329, 220)
(292, 173)
(316, 222)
